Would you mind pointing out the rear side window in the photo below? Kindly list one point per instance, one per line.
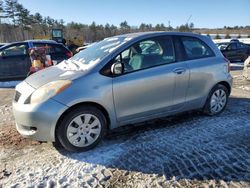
(15, 50)
(59, 49)
(52, 48)
(195, 48)
(49, 47)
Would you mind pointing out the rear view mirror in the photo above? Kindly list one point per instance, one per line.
(117, 68)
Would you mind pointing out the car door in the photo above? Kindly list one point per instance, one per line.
(147, 87)
(13, 61)
(231, 51)
(241, 51)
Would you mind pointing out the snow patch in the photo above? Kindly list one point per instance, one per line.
(9, 84)
(246, 88)
(237, 64)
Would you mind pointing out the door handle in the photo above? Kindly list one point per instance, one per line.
(179, 70)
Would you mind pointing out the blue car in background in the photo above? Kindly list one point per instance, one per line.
(15, 61)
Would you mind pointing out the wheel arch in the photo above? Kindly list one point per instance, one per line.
(226, 84)
(93, 104)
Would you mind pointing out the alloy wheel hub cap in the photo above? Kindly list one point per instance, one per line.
(83, 130)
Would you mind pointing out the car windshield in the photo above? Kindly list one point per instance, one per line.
(94, 53)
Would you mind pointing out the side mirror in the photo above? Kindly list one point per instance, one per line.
(117, 68)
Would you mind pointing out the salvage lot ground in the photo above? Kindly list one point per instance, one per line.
(190, 150)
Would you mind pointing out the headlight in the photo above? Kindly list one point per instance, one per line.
(48, 90)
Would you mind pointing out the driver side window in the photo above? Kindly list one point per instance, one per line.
(147, 53)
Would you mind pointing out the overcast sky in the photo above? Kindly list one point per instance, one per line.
(204, 13)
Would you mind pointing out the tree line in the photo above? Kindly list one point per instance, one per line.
(17, 23)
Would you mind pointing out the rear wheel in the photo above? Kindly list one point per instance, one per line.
(82, 129)
(217, 100)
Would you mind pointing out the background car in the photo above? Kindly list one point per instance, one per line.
(15, 60)
(235, 51)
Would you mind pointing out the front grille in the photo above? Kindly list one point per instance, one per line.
(17, 96)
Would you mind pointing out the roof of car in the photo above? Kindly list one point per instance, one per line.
(42, 41)
(32, 41)
(155, 33)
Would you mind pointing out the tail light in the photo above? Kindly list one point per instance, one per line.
(69, 54)
(228, 64)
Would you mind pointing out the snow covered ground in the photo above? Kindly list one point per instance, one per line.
(9, 84)
(189, 150)
(239, 64)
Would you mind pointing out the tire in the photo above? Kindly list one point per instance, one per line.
(216, 105)
(81, 129)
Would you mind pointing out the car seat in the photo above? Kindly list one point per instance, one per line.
(136, 60)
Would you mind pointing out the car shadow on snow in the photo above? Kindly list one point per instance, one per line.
(187, 146)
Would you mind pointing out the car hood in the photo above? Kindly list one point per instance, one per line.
(62, 71)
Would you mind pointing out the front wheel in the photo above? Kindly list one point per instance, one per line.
(217, 100)
(82, 129)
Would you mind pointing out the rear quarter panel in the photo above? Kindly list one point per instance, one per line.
(204, 75)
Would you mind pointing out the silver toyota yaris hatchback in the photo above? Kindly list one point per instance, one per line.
(122, 80)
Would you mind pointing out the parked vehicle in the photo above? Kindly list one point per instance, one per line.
(234, 40)
(119, 81)
(235, 51)
(15, 61)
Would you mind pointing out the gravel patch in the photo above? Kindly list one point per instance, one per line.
(188, 150)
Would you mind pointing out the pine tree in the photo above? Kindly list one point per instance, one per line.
(10, 10)
(23, 16)
(125, 28)
(217, 36)
(1, 10)
(38, 19)
(50, 21)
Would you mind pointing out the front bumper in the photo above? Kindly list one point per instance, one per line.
(37, 121)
